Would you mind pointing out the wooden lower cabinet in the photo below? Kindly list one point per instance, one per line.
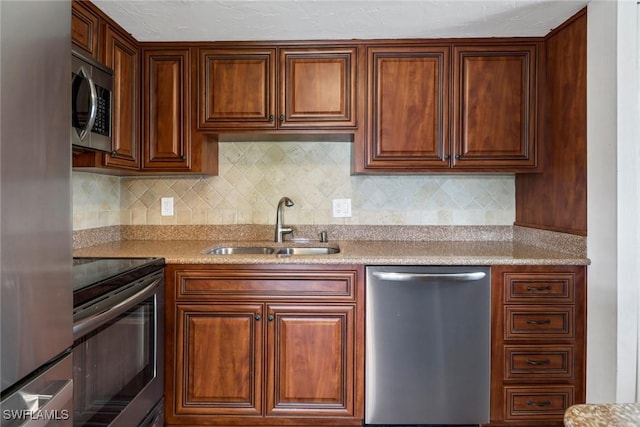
(265, 345)
(538, 343)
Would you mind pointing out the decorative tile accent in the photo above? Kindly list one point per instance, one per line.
(255, 175)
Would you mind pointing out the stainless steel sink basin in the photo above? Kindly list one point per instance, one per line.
(308, 251)
(241, 250)
(265, 250)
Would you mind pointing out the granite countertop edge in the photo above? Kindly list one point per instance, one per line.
(351, 252)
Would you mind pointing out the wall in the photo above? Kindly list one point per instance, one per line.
(254, 175)
(613, 202)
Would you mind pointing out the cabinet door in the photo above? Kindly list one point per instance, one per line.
(311, 354)
(317, 88)
(494, 118)
(121, 55)
(218, 359)
(84, 28)
(236, 88)
(166, 129)
(408, 108)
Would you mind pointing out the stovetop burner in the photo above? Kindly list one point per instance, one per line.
(93, 277)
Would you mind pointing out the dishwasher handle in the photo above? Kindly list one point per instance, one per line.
(429, 277)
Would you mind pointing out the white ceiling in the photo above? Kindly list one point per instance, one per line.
(216, 20)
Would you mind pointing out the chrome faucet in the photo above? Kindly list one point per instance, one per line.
(280, 228)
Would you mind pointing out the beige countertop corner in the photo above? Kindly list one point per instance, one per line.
(604, 414)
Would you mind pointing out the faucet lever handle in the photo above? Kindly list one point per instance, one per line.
(323, 236)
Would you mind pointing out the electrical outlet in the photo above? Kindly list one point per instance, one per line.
(166, 206)
(341, 208)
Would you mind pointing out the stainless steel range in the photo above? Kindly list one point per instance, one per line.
(118, 331)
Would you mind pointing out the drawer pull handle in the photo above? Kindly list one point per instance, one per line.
(539, 288)
(540, 404)
(538, 362)
(538, 322)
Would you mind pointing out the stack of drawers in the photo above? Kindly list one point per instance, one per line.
(538, 343)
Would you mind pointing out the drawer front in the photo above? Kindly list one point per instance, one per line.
(535, 403)
(277, 284)
(539, 288)
(541, 362)
(539, 322)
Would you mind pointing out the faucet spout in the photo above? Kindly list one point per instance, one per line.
(282, 229)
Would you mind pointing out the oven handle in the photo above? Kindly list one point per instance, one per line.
(92, 322)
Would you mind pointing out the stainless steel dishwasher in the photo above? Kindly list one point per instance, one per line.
(428, 333)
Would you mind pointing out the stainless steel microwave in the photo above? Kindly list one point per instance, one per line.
(91, 104)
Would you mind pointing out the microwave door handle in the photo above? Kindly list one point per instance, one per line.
(93, 109)
(87, 325)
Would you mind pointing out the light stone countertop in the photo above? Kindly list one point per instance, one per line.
(368, 252)
(601, 415)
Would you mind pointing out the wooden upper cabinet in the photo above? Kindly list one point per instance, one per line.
(494, 106)
(407, 108)
(166, 129)
(236, 88)
(317, 87)
(121, 54)
(276, 88)
(84, 28)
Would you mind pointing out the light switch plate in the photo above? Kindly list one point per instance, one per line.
(341, 208)
(166, 206)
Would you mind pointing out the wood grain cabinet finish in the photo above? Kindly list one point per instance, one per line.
(166, 114)
(538, 343)
(85, 23)
(247, 349)
(408, 108)
(494, 106)
(269, 88)
(449, 107)
(121, 54)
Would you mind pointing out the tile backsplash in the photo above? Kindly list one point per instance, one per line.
(255, 175)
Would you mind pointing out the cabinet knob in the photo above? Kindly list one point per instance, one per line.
(447, 156)
(271, 117)
(458, 156)
(281, 117)
(113, 153)
(270, 318)
(257, 317)
(183, 157)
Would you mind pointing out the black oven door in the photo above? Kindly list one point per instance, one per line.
(118, 365)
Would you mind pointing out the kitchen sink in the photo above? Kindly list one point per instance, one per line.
(266, 250)
(241, 250)
(308, 251)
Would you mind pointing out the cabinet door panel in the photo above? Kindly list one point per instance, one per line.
(408, 108)
(312, 364)
(236, 88)
(317, 88)
(166, 109)
(219, 359)
(494, 106)
(122, 56)
(84, 28)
